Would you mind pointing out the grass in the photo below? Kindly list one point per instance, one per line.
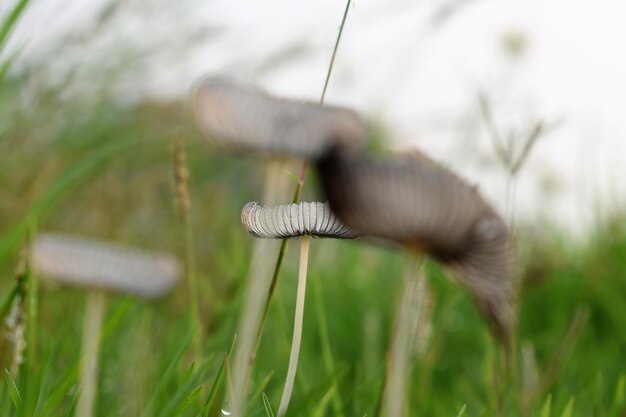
(102, 169)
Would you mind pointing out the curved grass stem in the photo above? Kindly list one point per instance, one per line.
(297, 327)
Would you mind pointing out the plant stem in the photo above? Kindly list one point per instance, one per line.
(181, 176)
(398, 365)
(94, 311)
(297, 327)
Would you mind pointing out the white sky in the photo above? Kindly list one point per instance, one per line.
(395, 65)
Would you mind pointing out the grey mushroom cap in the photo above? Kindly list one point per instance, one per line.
(99, 265)
(243, 117)
(411, 200)
(292, 220)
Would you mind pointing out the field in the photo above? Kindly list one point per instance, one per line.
(98, 168)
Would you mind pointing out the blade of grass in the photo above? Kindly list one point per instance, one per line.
(178, 398)
(31, 340)
(11, 20)
(547, 406)
(188, 401)
(8, 300)
(267, 406)
(168, 374)
(618, 397)
(262, 386)
(327, 356)
(320, 410)
(217, 382)
(56, 397)
(568, 411)
(14, 393)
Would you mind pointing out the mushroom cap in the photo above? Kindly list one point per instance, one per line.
(243, 117)
(293, 220)
(413, 201)
(99, 265)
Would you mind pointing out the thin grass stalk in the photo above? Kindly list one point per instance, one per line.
(181, 175)
(31, 331)
(94, 312)
(297, 327)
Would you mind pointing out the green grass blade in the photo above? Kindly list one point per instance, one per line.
(69, 179)
(8, 300)
(188, 401)
(262, 387)
(10, 21)
(320, 410)
(159, 390)
(14, 393)
(462, 410)
(329, 363)
(217, 382)
(72, 408)
(31, 341)
(547, 406)
(177, 399)
(267, 406)
(618, 397)
(569, 408)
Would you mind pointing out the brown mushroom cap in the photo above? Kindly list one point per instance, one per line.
(243, 117)
(99, 265)
(418, 203)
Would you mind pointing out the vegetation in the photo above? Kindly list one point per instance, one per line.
(104, 169)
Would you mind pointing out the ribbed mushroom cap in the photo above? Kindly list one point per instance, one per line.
(243, 117)
(293, 220)
(414, 201)
(92, 264)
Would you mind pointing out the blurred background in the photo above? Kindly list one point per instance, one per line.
(524, 98)
(417, 69)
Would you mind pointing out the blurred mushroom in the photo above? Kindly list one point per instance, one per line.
(244, 117)
(98, 268)
(302, 220)
(418, 203)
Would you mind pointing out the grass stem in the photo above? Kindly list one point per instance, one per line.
(181, 176)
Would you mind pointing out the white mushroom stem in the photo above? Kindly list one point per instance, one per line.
(297, 327)
(92, 325)
(399, 361)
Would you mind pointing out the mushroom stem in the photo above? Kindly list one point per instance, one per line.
(297, 327)
(399, 363)
(94, 311)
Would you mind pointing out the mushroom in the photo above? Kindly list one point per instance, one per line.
(243, 117)
(100, 267)
(302, 220)
(413, 201)
(294, 220)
